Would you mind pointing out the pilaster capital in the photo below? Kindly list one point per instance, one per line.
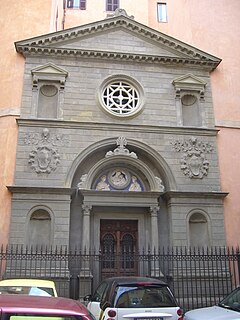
(154, 211)
(86, 209)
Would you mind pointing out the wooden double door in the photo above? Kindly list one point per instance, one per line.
(118, 239)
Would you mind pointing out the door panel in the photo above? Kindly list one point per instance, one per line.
(118, 240)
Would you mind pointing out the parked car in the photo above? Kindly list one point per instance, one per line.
(121, 298)
(37, 287)
(227, 309)
(22, 307)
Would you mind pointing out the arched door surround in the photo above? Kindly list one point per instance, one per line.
(132, 158)
(92, 161)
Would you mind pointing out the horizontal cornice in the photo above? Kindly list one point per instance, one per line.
(116, 127)
(121, 56)
(40, 190)
(189, 194)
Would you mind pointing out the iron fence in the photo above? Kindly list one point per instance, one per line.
(198, 277)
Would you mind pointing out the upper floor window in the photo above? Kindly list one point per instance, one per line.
(112, 5)
(162, 11)
(48, 85)
(190, 93)
(76, 4)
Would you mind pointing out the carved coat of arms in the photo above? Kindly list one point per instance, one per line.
(44, 157)
(194, 163)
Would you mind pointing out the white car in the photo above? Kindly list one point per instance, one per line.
(133, 298)
(227, 309)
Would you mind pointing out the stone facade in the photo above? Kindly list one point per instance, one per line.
(108, 99)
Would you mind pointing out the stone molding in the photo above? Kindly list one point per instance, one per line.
(95, 54)
(41, 190)
(184, 54)
(189, 82)
(120, 198)
(116, 127)
(6, 112)
(50, 72)
(193, 195)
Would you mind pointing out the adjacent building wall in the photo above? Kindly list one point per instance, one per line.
(18, 20)
(214, 27)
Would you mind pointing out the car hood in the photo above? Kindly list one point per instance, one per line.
(212, 313)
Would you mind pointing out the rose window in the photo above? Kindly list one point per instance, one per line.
(121, 97)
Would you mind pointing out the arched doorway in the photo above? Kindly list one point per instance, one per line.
(116, 203)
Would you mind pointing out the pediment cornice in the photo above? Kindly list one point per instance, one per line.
(208, 64)
(53, 44)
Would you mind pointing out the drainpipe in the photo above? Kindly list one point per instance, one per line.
(64, 14)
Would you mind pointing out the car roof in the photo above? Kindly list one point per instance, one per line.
(41, 305)
(27, 282)
(133, 280)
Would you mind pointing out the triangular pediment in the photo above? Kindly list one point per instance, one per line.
(119, 40)
(189, 81)
(49, 69)
(119, 37)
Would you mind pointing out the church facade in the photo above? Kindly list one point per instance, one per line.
(117, 141)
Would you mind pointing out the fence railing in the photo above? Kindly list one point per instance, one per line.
(198, 277)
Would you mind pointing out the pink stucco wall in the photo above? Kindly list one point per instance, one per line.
(18, 20)
(214, 27)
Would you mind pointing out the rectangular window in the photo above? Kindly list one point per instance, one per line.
(76, 4)
(162, 12)
(112, 5)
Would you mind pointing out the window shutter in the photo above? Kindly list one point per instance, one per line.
(69, 3)
(82, 4)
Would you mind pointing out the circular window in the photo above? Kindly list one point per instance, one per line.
(121, 97)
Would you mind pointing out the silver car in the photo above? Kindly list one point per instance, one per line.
(227, 309)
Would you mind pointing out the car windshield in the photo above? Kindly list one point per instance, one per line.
(232, 301)
(33, 291)
(143, 297)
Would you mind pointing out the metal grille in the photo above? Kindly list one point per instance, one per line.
(127, 252)
(198, 277)
(108, 252)
(121, 98)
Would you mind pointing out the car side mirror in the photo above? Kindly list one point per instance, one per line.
(105, 305)
(88, 297)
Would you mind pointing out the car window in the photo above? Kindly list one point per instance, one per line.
(99, 293)
(232, 301)
(36, 291)
(143, 297)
